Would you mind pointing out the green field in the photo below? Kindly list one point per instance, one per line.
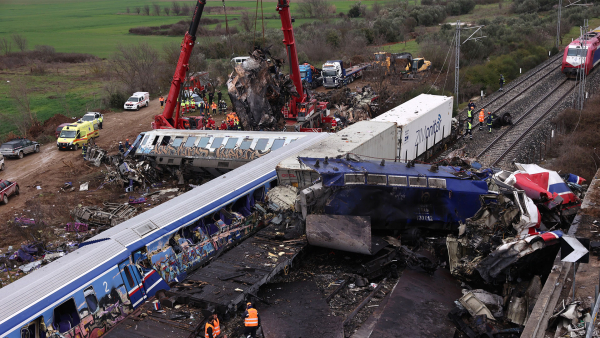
(97, 27)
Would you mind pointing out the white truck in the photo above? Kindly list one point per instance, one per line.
(422, 122)
(335, 75)
(137, 100)
(364, 138)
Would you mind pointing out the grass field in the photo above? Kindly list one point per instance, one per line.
(97, 27)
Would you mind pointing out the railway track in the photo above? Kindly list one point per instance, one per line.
(504, 143)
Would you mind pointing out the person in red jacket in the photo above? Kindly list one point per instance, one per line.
(223, 125)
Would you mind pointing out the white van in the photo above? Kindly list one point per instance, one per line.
(137, 100)
(239, 60)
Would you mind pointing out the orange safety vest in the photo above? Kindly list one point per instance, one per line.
(206, 330)
(481, 116)
(252, 319)
(161, 99)
(214, 106)
(217, 328)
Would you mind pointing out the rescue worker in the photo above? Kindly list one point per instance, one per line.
(187, 105)
(217, 325)
(162, 101)
(481, 118)
(121, 147)
(84, 151)
(127, 145)
(219, 95)
(469, 129)
(471, 105)
(100, 120)
(237, 125)
(231, 124)
(470, 115)
(214, 108)
(211, 96)
(251, 321)
(211, 123)
(209, 328)
(489, 121)
(502, 82)
(182, 107)
(223, 126)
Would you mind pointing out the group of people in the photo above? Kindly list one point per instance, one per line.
(212, 328)
(188, 104)
(482, 118)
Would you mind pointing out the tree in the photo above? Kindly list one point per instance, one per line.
(20, 41)
(167, 10)
(156, 9)
(5, 45)
(128, 10)
(147, 9)
(246, 21)
(138, 10)
(176, 8)
(356, 11)
(137, 67)
(185, 9)
(313, 8)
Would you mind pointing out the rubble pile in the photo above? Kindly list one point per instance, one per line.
(259, 91)
(349, 106)
(109, 215)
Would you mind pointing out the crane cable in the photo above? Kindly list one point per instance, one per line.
(256, 20)
(227, 27)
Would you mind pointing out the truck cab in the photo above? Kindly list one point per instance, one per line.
(332, 72)
(310, 75)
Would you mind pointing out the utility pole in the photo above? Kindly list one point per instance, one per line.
(457, 53)
(558, 24)
(583, 62)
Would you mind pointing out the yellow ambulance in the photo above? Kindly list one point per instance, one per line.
(77, 134)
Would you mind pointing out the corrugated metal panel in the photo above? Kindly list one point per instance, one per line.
(45, 281)
(413, 109)
(127, 236)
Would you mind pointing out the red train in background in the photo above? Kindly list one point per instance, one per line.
(582, 54)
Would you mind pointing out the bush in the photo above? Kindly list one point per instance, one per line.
(428, 15)
(117, 99)
(356, 11)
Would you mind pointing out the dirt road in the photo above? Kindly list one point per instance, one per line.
(50, 168)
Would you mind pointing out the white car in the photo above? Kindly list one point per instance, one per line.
(137, 100)
(1, 162)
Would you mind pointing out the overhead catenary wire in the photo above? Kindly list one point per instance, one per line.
(442, 69)
(227, 27)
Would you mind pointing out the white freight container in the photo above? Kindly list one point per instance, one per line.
(422, 122)
(372, 140)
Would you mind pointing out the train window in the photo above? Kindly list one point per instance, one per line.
(261, 144)
(439, 183)
(203, 142)
(397, 180)
(145, 139)
(129, 277)
(177, 141)
(376, 179)
(190, 142)
(277, 144)
(91, 299)
(155, 140)
(217, 142)
(165, 141)
(354, 179)
(246, 144)
(420, 182)
(576, 52)
(231, 143)
(66, 316)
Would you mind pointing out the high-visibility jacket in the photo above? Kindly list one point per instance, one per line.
(469, 113)
(217, 329)
(252, 319)
(481, 116)
(469, 125)
(206, 331)
(182, 103)
(214, 106)
(161, 99)
(187, 102)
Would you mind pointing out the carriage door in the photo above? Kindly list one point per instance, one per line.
(133, 283)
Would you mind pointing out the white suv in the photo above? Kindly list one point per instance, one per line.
(137, 100)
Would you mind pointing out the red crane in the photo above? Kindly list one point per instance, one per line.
(170, 117)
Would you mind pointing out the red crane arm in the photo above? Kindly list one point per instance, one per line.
(166, 120)
(283, 7)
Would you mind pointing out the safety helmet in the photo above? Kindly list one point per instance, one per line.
(248, 305)
(120, 142)
(126, 139)
(489, 113)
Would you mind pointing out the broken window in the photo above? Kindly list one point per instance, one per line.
(177, 141)
(397, 180)
(155, 140)
(377, 179)
(165, 141)
(91, 299)
(231, 143)
(261, 144)
(217, 142)
(277, 144)
(145, 139)
(354, 179)
(420, 182)
(439, 183)
(66, 316)
(190, 142)
(246, 144)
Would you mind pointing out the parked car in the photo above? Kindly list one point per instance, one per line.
(93, 117)
(137, 100)
(59, 129)
(1, 162)
(19, 147)
(7, 189)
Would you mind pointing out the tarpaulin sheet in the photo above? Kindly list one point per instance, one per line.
(537, 181)
(393, 206)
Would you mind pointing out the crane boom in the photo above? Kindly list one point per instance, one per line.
(283, 7)
(170, 116)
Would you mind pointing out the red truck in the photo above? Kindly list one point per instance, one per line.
(7, 189)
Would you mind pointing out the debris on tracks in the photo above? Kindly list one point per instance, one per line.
(110, 214)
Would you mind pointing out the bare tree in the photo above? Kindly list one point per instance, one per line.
(20, 41)
(137, 67)
(156, 9)
(167, 10)
(313, 8)
(185, 9)
(176, 8)
(247, 21)
(25, 118)
(5, 45)
(128, 10)
(147, 9)
(138, 10)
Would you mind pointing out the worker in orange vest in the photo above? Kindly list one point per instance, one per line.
(481, 118)
(162, 101)
(217, 325)
(214, 108)
(213, 327)
(251, 321)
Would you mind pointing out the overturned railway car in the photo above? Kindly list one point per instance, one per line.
(582, 55)
(87, 292)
